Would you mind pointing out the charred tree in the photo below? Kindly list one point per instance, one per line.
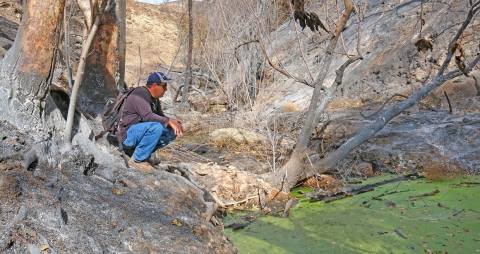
(105, 62)
(26, 71)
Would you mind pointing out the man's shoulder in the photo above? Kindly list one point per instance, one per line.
(141, 92)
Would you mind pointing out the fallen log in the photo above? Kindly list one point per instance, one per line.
(329, 196)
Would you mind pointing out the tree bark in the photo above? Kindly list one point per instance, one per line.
(317, 98)
(105, 62)
(79, 76)
(27, 68)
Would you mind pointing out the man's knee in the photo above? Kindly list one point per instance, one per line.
(156, 127)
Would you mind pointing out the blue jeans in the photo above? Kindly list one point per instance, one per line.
(146, 138)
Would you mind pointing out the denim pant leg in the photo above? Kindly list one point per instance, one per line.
(144, 137)
(166, 138)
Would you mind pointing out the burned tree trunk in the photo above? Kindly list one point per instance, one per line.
(27, 68)
(105, 64)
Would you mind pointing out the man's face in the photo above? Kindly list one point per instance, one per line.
(158, 90)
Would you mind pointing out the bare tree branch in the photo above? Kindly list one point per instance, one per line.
(79, 75)
(282, 71)
(391, 98)
(274, 66)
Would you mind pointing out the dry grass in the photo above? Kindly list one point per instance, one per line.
(290, 107)
(346, 103)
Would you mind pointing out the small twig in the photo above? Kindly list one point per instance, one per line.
(140, 66)
(19, 237)
(421, 18)
(314, 174)
(449, 104)
(425, 194)
(161, 60)
(410, 59)
(342, 41)
(269, 61)
(67, 46)
(388, 193)
(181, 150)
(241, 201)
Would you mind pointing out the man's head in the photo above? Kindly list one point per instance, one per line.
(157, 84)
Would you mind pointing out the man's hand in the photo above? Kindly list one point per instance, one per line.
(177, 127)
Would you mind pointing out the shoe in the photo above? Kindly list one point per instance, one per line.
(153, 160)
(129, 151)
(142, 166)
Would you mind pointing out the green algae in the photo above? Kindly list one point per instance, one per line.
(394, 218)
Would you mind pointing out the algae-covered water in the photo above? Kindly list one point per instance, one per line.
(393, 218)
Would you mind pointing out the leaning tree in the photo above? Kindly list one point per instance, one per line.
(299, 167)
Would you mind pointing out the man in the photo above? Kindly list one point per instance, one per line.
(145, 127)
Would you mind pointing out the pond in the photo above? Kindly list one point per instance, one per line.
(417, 216)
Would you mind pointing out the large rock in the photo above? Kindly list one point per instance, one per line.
(424, 142)
(71, 208)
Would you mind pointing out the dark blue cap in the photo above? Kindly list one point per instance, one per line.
(158, 77)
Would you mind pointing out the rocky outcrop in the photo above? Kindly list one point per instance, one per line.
(391, 63)
(74, 208)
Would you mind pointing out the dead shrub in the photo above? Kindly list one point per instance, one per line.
(325, 182)
(443, 169)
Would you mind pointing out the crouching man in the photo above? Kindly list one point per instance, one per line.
(144, 127)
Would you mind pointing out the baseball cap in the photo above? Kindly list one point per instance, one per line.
(158, 77)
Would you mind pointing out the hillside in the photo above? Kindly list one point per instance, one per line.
(152, 31)
(85, 199)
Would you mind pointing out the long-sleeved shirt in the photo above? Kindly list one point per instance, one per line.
(140, 106)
